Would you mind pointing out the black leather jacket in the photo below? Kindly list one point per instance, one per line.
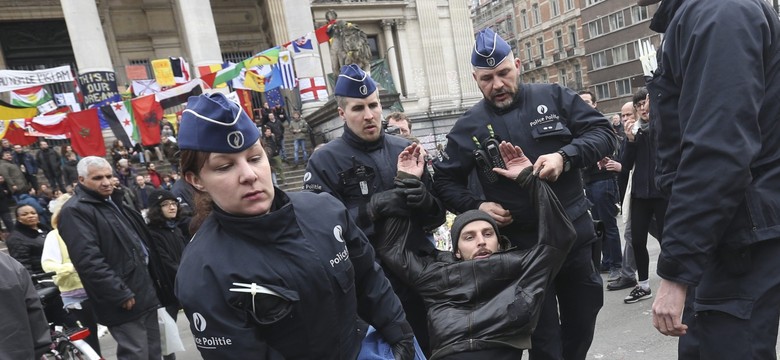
(487, 303)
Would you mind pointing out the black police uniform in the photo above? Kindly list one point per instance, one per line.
(352, 170)
(307, 250)
(542, 120)
(714, 105)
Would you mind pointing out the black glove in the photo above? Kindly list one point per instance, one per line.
(417, 195)
(388, 203)
(403, 349)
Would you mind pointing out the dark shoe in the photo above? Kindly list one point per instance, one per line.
(638, 294)
(614, 275)
(621, 283)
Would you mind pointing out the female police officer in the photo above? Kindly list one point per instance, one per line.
(271, 275)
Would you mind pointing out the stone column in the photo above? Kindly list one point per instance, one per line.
(387, 26)
(464, 43)
(299, 21)
(199, 32)
(428, 15)
(406, 63)
(278, 12)
(86, 35)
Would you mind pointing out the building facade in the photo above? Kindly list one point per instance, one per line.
(551, 43)
(614, 31)
(427, 44)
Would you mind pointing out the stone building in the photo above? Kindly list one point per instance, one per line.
(427, 44)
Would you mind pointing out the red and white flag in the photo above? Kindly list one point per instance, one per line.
(313, 89)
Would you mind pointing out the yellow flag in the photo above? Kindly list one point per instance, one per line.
(163, 72)
(8, 112)
(254, 81)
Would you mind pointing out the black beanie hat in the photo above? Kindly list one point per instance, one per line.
(157, 196)
(464, 219)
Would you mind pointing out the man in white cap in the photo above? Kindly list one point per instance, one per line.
(560, 134)
(358, 169)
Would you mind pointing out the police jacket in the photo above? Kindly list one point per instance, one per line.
(109, 252)
(640, 156)
(353, 170)
(543, 119)
(168, 242)
(24, 326)
(319, 266)
(25, 244)
(715, 94)
(484, 303)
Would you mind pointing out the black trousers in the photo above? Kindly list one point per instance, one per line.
(642, 213)
(736, 310)
(579, 295)
(86, 316)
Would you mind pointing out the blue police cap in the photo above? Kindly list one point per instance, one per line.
(489, 50)
(354, 82)
(212, 123)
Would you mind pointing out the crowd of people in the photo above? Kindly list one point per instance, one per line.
(347, 269)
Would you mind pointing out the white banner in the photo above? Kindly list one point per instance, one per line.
(18, 79)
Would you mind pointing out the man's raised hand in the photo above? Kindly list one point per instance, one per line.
(514, 159)
(411, 160)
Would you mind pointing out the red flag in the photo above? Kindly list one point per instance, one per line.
(85, 135)
(16, 136)
(245, 96)
(148, 113)
(322, 33)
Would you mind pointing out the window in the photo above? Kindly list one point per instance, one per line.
(509, 25)
(540, 42)
(533, 79)
(598, 60)
(524, 19)
(569, 4)
(620, 54)
(562, 77)
(237, 56)
(623, 87)
(592, 2)
(559, 40)
(544, 78)
(639, 13)
(528, 53)
(616, 21)
(573, 35)
(595, 28)
(536, 14)
(602, 91)
(578, 76)
(555, 8)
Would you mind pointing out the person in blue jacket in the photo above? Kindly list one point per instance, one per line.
(714, 104)
(560, 133)
(270, 275)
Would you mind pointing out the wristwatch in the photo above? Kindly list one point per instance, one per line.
(566, 160)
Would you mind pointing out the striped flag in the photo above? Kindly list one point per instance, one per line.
(120, 118)
(289, 81)
(30, 97)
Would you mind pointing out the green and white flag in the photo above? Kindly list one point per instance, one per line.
(30, 97)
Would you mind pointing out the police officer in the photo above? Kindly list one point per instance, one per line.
(560, 133)
(714, 109)
(358, 169)
(271, 275)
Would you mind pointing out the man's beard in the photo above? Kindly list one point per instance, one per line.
(501, 105)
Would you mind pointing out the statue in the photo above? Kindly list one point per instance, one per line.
(349, 44)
